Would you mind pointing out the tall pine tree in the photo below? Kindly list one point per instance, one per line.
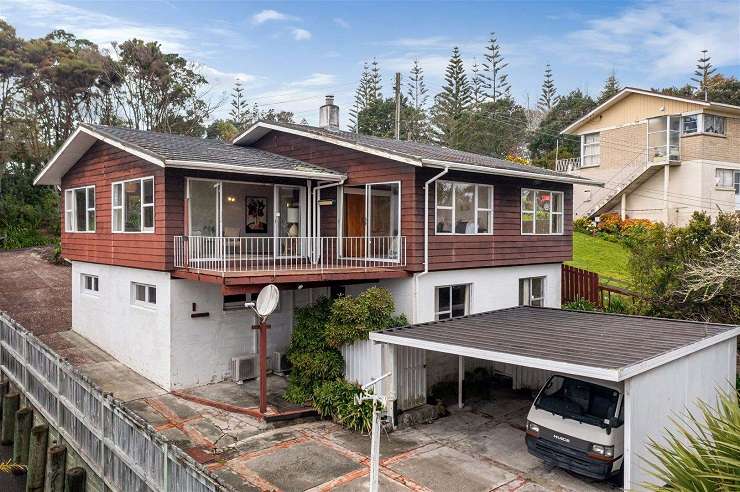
(239, 108)
(496, 80)
(549, 96)
(361, 97)
(477, 86)
(611, 88)
(375, 87)
(416, 90)
(452, 104)
(702, 74)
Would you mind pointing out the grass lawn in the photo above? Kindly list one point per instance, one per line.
(603, 257)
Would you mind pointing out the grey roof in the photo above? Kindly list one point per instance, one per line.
(600, 340)
(167, 146)
(419, 150)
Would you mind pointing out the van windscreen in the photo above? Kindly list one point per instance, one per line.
(579, 400)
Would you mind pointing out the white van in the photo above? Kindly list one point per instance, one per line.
(577, 424)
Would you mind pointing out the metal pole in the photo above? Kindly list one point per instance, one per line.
(398, 106)
(460, 377)
(375, 449)
(262, 327)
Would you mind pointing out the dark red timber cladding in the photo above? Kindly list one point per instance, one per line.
(360, 168)
(507, 246)
(102, 165)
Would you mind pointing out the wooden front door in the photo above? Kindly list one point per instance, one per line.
(354, 225)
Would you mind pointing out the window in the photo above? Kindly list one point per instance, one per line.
(714, 124)
(591, 150)
(133, 205)
(235, 302)
(79, 209)
(542, 212)
(451, 301)
(89, 283)
(703, 123)
(725, 178)
(532, 291)
(663, 138)
(143, 294)
(464, 208)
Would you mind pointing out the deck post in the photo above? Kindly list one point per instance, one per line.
(263, 327)
(37, 458)
(11, 403)
(57, 465)
(460, 377)
(22, 436)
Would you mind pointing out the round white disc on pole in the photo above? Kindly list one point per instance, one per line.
(267, 301)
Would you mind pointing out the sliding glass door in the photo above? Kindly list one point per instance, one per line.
(290, 221)
(371, 222)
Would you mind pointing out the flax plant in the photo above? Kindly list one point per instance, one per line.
(10, 467)
(703, 453)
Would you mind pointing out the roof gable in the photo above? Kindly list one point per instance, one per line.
(170, 150)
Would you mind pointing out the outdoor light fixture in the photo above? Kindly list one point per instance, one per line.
(231, 199)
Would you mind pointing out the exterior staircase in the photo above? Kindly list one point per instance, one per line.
(629, 178)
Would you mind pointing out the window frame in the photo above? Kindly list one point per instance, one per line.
(667, 145)
(718, 183)
(585, 145)
(438, 312)
(534, 212)
(476, 208)
(70, 214)
(142, 206)
(700, 122)
(146, 302)
(94, 282)
(529, 280)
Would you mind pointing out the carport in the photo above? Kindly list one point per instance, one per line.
(666, 365)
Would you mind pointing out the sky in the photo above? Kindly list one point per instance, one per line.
(290, 54)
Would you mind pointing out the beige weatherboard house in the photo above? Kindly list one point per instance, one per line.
(660, 157)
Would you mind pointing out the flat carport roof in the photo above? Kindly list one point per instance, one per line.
(611, 347)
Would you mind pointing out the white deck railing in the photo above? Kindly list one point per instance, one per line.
(288, 254)
(568, 165)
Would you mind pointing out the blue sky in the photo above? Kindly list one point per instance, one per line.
(289, 54)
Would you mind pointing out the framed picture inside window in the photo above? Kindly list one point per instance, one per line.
(256, 220)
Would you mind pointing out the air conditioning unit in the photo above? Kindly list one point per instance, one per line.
(280, 364)
(244, 367)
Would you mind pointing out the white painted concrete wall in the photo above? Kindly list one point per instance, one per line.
(654, 397)
(137, 336)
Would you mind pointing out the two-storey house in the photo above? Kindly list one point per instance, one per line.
(169, 235)
(660, 157)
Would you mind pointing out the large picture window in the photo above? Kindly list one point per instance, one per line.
(464, 208)
(451, 301)
(542, 212)
(79, 209)
(133, 205)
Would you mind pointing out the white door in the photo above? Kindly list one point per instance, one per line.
(411, 377)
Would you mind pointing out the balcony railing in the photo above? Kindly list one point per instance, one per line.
(288, 254)
(568, 165)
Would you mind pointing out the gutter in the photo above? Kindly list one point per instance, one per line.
(426, 242)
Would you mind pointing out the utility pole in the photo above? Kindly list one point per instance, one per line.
(398, 105)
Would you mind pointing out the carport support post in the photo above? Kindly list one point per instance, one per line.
(460, 377)
(262, 327)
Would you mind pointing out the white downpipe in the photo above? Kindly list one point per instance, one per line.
(415, 303)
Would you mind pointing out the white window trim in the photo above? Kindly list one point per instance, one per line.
(476, 209)
(145, 303)
(468, 288)
(668, 130)
(70, 226)
(122, 207)
(96, 283)
(534, 213)
(700, 125)
(583, 150)
(529, 289)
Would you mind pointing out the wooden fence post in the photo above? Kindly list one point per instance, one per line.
(11, 403)
(37, 458)
(22, 436)
(75, 480)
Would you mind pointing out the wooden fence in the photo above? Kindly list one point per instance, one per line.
(577, 284)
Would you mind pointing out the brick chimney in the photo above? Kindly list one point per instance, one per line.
(329, 114)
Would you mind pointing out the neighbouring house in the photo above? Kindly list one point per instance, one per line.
(169, 235)
(660, 157)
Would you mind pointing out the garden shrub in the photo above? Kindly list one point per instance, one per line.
(318, 367)
(580, 304)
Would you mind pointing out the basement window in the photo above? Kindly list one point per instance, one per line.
(79, 209)
(532, 291)
(143, 294)
(451, 301)
(89, 283)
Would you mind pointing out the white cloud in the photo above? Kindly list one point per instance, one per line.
(301, 34)
(317, 80)
(341, 23)
(270, 15)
